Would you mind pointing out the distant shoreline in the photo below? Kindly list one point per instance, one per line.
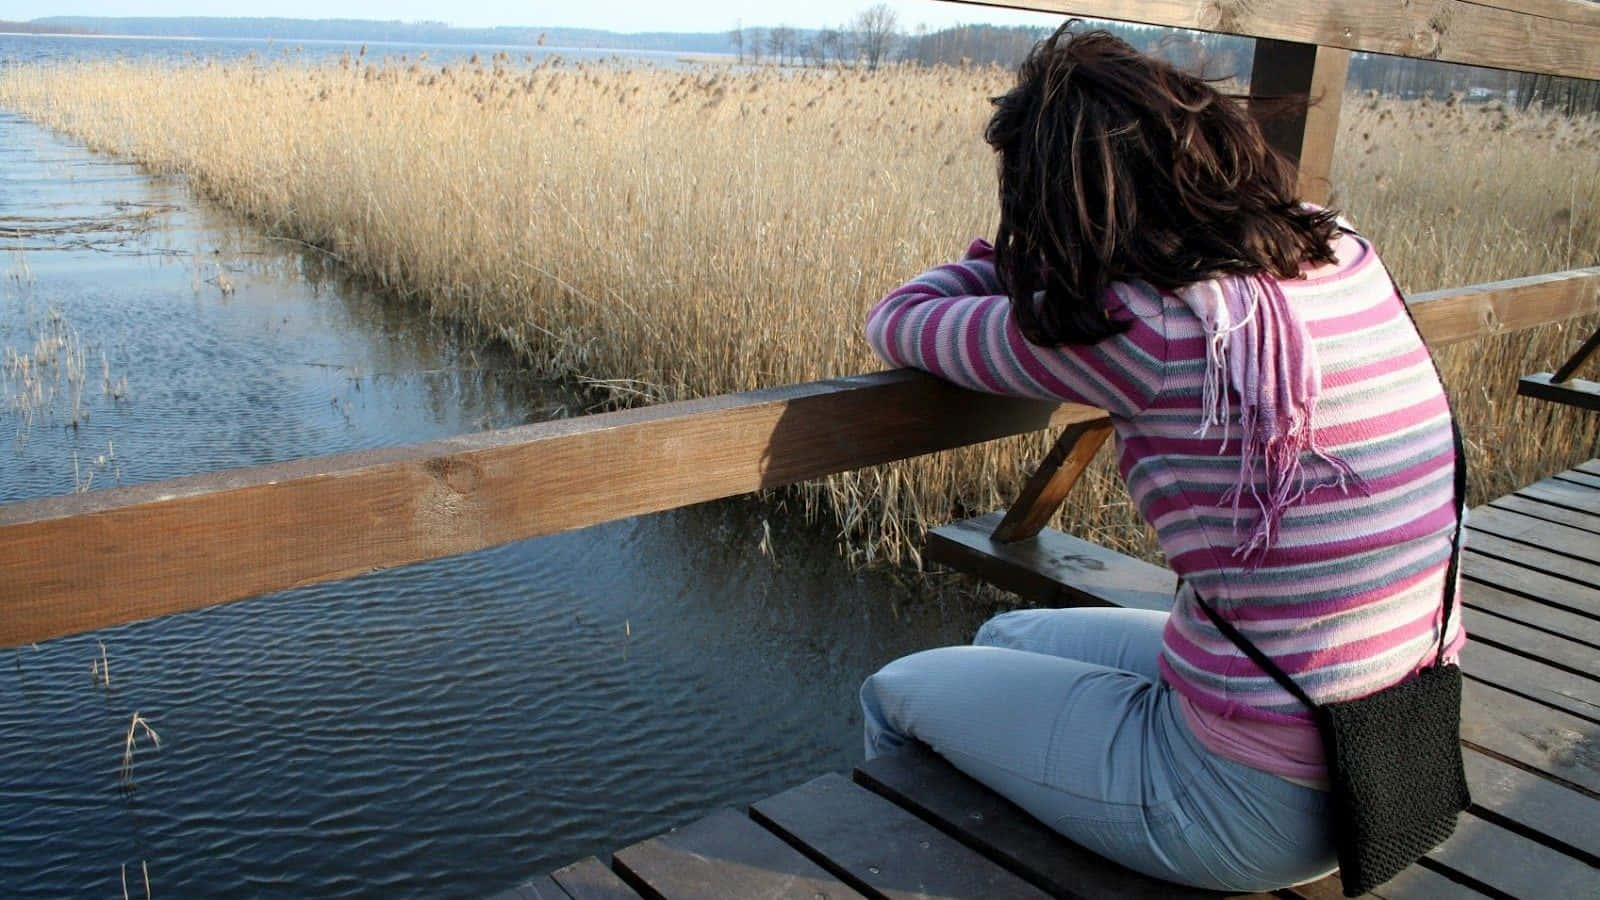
(697, 55)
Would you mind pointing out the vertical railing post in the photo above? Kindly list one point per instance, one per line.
(1051, 482)
(1285, 69)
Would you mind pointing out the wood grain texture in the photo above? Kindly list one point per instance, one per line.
(724, 856)
(1468, 313)
(589, 879)
(881, 849)
(1419, 883)
(1563, 494)
(1551, 536)
(1582, 573)
(1559, 650)
(1510, 862)
(1545, 588)
(1532, 613)
(1049, 485)
(1554, 687)
(1556, 37)
(1534, 804)
(74, 563)
(1588, 522)
(1053, 568)
(1534, 736)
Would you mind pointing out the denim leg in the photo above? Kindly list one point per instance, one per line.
(1102, 756)
(1128, 639)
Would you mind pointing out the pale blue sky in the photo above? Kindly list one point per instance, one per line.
(616, 15)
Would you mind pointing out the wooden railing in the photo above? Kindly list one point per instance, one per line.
(75, 563)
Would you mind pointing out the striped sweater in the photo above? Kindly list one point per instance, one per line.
(1347, 599)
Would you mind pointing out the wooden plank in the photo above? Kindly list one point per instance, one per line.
(1557, 688)
(1550, 513)
(1049, 485)
(1506, 861)
(1559, 41)
(1562, 539)
(589, 879)
(1544, 740)
(1580, 356)
(537, 889)
(1583, 479)
(1052, 568)
(1563, 494)
(1514, 637)
(918, 780)
(1419, 883)
(1464, 314)
(86, 561)
(1592, 467)
(1533, 613)
(1578, 392)
(1581, 573)
(724, 856)
(1513, 578)
(1564, 817)
(879, 848)
(1305, 137)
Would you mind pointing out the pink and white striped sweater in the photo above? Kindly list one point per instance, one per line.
(1347, 599)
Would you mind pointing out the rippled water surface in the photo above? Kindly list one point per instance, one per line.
(440, 730)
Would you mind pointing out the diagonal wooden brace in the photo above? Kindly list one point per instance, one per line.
(1049, 485)
(1582, 356)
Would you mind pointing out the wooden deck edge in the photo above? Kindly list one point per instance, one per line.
(1578, 392)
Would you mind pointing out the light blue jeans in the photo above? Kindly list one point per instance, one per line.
(1064, 713)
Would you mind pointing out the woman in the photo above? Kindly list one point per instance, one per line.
(1279, 424)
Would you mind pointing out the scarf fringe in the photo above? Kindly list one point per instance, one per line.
(1260, 348)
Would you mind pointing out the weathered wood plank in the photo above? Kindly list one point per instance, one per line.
(1515, 578)
(1562, 539)
(1557, 688)
(1045, 490)
(879, 848)
(1052, 568)
(1563, 494)
(589, 879)
(1507, 861)
(90, 560)
(1579, 392)
(1588, 522)
(1514, 637)
(1306, 137)
(1419, 883)
(1545, 740)
(1535, 804)
(1582, 573)
(1592, 467)
(1577, 627)
(1460, 31)
(724, 856)
(918, 780)
(1581, 478)
(537, 889)
(1463, 314)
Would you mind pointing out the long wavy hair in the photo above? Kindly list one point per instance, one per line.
(1117, 166)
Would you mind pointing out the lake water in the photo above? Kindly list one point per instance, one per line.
(444, 729)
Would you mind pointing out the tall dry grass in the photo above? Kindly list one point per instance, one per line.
(667, 234)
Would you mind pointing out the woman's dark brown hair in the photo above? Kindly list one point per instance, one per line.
(1117, 166)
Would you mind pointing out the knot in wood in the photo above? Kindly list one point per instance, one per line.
(459, 475)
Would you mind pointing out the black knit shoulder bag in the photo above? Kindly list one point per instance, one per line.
(1394, 757)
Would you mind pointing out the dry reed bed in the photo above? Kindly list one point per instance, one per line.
(668, 234)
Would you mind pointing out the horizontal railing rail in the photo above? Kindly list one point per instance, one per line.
(79, 562)
(1553, 37)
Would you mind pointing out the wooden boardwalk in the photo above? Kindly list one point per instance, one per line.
(910, 826)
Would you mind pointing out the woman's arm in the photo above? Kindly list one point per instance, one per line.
(954, 322)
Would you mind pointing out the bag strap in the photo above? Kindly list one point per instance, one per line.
(1264, 662)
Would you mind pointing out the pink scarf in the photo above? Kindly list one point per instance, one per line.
(1255, 338)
